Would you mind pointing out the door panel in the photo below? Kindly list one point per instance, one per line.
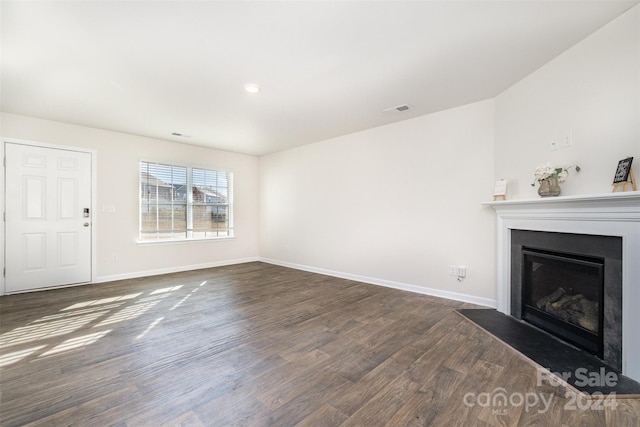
(48, 239)
(68, 249)
(35, 250)
(34, 196)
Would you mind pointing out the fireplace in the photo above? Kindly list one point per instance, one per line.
(564, 295)
(570, 285)
(603, 219)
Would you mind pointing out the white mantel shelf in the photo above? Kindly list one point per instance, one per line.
(608, 214)
(624, 198)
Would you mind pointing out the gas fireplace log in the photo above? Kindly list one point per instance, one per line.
(552, 297)
(571, 303)
(590, 319)
(574, 309)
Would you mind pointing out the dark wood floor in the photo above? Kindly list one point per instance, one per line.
(262, 345)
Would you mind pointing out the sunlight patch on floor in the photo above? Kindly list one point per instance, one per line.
(9, 358)
(38, 331)
(127, 313)
(76, 316)
(101, 309)
(179, 303)
(163, 290)
(150, 327)
(102, 301)
(153, 298)
(77, 342)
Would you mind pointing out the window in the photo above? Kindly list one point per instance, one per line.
(178, 202)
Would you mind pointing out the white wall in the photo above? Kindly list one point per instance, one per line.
(395, 204)
(118, 155)
(592, 89)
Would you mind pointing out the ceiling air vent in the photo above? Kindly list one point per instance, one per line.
(400, 108)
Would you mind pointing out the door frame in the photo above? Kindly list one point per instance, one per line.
(94, 196)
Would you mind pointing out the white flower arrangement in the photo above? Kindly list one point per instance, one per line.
(561, 173)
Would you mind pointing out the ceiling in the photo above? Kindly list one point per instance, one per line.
(326, 68)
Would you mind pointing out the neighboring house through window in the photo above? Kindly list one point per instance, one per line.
(181, 202)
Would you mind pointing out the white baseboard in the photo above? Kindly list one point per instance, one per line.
(146, 273)
(487, 302)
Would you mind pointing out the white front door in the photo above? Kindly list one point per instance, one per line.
(48, 217)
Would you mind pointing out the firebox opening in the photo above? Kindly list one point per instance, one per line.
(564, 295)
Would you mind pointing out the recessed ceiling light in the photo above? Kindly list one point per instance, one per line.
(252, 88)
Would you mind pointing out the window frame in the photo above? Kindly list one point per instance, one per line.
(189, 205)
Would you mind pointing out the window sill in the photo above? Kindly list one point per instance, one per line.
(179, 241)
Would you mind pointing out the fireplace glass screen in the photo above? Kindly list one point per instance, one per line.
(563, 294)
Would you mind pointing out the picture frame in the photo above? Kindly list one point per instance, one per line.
(500, 190)
(622, 171)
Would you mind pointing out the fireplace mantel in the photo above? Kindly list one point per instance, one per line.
(599, 206)
(611, 214)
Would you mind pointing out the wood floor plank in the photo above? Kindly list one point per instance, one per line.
(95, 411)
(261, 345)
(625, 414)
(382, 407)
(327, 415)
(374, 382)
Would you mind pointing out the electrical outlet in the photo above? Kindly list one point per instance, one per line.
(457, 271)
(462, 271)
(115, 257)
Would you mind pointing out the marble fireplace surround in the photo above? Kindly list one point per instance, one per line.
(611, 214)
